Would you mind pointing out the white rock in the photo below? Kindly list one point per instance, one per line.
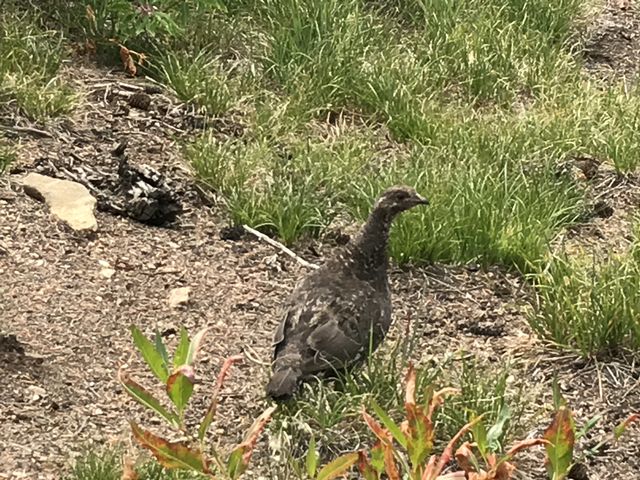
(69, 201)
(107, 272)
(179, 296)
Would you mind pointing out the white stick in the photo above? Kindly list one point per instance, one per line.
(281, 247)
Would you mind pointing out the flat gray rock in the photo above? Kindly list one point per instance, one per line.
(69, 201)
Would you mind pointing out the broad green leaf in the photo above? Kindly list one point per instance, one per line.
(558, 399)
(497, 429)
(171, 455)
(143, 397)
(390, 424)
(235, 465)
(182, 350)
(150, 354)
(312, 458)
(337, 467)
(162, 350)
(479, 434)
(180, 387)
(561, 437)
(377, 457)
(194, 346)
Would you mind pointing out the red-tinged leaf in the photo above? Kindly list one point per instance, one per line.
(127, 61)
(466, 459)
(410, 385)
(390, 462)
(171, 455)
(561, 437)
(366, 469)
(392, 426)
(383, 434)
(386, 439)
(151, 356)
(194, 346)
(211, 411)
(525, 444)
(622, 426)
(438, 399)
(338, 467)
(145, 398)
(503, 471)
(455, 476)
(180, 387)
(241, 455)
(435, 466)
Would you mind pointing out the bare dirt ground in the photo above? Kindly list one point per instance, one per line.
(71, 322)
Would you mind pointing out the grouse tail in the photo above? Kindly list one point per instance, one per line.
(283, 383)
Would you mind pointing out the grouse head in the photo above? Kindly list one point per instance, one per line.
(397, 199)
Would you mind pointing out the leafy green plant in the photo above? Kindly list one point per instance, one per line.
(178, 377)
(333, 469)
(125, 21)
(562, 435)
(491, 465)
(407, 449)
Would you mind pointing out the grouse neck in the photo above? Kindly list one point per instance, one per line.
(369, 250)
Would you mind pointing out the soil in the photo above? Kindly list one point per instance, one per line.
(67, 299)
(612, 47)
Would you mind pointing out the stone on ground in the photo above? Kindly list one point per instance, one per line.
(179, 296)
(69, 201)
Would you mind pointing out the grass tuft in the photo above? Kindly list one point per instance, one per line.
(30, 60)
(106, 464)
(589, 305)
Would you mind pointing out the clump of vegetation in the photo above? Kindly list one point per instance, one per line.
(7, 155)
(327, 412)
(108, 464)
(178, 377)
(590, 305)
(406, 450)
(30, 60)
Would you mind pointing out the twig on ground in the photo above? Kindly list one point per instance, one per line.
(31, 130)
(253, 356)
(281, 247)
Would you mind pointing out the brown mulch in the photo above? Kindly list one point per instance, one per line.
(64, 324)
(612, 47)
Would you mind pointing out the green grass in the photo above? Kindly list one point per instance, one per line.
(329, 410)
(590, 305)
(30, 60)
(477, 102)
(106, 464)
(7, 155)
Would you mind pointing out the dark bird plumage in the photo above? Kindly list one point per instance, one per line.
(341, 309)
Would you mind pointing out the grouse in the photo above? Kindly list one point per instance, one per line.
(340, 311)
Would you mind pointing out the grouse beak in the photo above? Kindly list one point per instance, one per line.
(420, 200)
